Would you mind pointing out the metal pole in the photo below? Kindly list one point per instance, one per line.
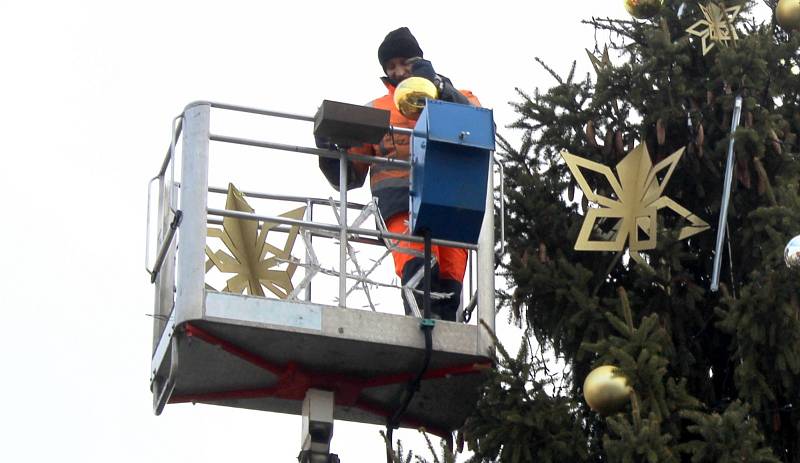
(486, 309)
(400, 131)
(309, 218)
(164, 286)
(192, 233)
(335, 228)
(315, 151)
(471, 256)
(342, 230)
(166, 247)
(502, 206)
(290, 198)
(173, 195)
(281, 114)
(726, 196)
(263, 112)
(315, 440)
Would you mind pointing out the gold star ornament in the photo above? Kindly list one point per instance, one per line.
(717, 26)
(637, 197)
(601, 63)
(255, 262)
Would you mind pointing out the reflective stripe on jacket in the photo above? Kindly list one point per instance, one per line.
(388, 183)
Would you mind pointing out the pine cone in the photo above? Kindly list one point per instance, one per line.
(743, 173)
(524, 259)
(700, 139)
(619, 144)
(763, 181)
(761, 186)
(761, 173)
(661, 132)
(776, 142)
(607, 142)
(590, 134)
(543, 253)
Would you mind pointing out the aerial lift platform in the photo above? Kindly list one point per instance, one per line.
(286, 352)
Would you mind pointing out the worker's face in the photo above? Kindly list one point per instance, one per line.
(397, 69)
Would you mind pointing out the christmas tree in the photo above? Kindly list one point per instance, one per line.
(714, 376)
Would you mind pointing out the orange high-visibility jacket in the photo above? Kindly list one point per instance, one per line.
(388, 183)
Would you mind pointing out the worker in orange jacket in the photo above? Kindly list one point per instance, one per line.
(401, 57)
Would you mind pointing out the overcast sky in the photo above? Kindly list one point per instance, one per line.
(88, 90)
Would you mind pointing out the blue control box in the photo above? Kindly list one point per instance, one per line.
(450, 160)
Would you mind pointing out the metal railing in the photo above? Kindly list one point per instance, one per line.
(183, 215)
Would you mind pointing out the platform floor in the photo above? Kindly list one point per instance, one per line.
(263, 354)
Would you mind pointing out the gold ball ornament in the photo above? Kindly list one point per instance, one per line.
(788, 14)
(643, 9)
(606, 390)
(410, 95)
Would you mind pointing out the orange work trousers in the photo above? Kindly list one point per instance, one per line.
(452, 261)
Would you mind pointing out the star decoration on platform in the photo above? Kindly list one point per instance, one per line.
(638, 188)
(717, 27)
(253, 270)
(603, 62)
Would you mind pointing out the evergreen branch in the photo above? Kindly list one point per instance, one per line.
(604, 275)
(550, 70)
(620, 27)
(626, 308)
(686, 346)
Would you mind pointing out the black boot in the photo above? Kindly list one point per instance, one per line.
(409, 270)
(448, 307)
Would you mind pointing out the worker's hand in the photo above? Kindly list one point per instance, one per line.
(422, 68)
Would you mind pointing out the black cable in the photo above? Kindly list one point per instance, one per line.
(427, 329)
(426, 302)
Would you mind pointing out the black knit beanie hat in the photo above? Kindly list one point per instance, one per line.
(398, 44)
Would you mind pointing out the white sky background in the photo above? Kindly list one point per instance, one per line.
(87, 94)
